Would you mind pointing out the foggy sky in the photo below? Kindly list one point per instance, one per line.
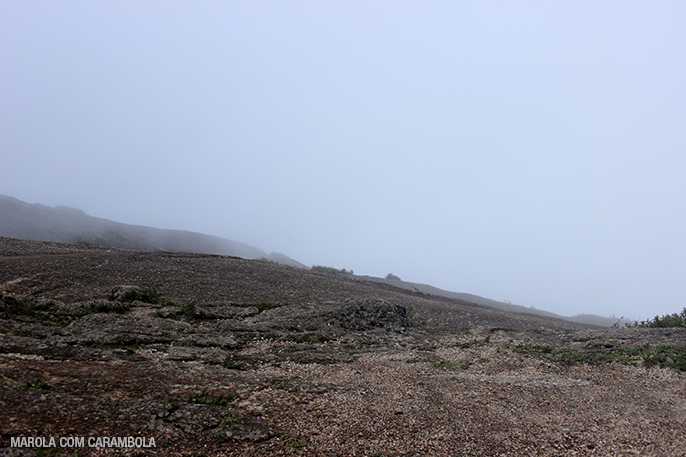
(524, 151)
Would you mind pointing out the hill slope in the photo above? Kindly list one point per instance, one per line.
(582, 318)
(19, 219)
(248, 358)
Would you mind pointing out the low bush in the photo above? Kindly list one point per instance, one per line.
(144, 295)
(666, 321)
(664, 355)
(209, 398)
(261, 305)
(331, 270)
(188, 309)
(104, 306)
(37, 384)
(229, 420)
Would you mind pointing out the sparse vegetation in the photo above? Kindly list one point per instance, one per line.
(664, 355)
(424, 325)
(11, 307)
(104, 306)
(261, 305)
(131, 347)
(446, 363)
(188, 309)
(294, 442)
(209, 398)
(332, 270)
(230, 420)
(151, 296)
(468, 344)
(37, 384)
(393, 277)
(666, 321)
(231, 364)
(265, 259)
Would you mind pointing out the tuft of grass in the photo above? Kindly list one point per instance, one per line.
(293, 442)
(131, 347)
(188, 309)
(37, 384)
(230, 420)
(231, 364)
(469, 344)
(209, 398)
(423, 324)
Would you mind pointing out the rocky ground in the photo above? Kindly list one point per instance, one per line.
(212, 355)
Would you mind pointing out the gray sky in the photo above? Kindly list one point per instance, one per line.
(524, 151)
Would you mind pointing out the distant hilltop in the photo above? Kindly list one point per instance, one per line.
(19, 219)
(505, 306)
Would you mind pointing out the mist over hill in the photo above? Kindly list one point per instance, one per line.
(19, 219)
(505, 306)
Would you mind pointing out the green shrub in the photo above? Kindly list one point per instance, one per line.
(104, 306)
(668, 320)
(188, 309)
(151, 296)
(331, 270)
(664, 355)
(11, 307)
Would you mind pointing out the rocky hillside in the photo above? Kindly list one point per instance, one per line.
(19, 219)
(207, 355)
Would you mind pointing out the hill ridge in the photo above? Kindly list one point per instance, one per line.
(19, 219)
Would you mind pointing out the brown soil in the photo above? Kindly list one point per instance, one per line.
(273, 360)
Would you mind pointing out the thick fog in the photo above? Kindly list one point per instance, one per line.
(533, 152)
